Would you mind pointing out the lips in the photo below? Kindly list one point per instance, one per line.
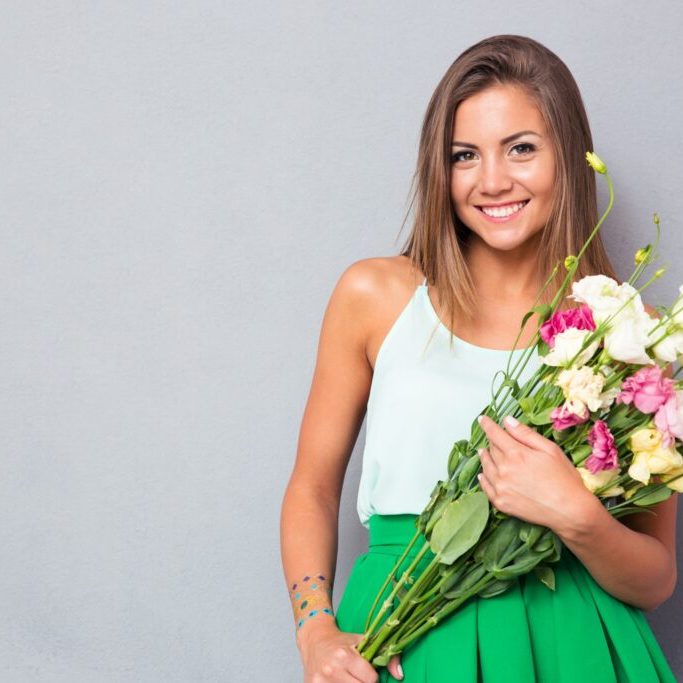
(502, 210)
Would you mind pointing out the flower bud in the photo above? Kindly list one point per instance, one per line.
(655, 218)
(570, 262)
(659, 272)
(641, 255)
(596, 163)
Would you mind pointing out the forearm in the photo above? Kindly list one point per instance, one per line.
(308, 543)
(632, 566)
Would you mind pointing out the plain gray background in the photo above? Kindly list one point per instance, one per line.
(182, 185)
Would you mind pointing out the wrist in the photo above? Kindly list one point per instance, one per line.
(315, 628)
(581, 519)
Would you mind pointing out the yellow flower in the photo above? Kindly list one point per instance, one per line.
(596, 163)
(645, 440)
(596, 481)
(651, 457)
(677, 484)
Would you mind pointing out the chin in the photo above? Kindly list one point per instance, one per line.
(505, 242)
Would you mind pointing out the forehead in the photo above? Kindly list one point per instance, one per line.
(496, 112)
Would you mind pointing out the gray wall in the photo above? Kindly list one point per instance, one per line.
(182, 185)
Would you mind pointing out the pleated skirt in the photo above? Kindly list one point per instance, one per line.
(578, 633)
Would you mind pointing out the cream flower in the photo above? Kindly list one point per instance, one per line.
(582, 389)
(567, 345)
(593, 482)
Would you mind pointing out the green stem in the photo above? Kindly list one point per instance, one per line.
(390, 576)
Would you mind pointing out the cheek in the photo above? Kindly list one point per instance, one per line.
(460, 189)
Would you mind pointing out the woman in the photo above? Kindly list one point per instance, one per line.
(503, 193)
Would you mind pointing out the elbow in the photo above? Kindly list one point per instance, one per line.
(660, 596)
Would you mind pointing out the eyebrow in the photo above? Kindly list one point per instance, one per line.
(504, 141)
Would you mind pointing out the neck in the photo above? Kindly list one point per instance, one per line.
(504, 276)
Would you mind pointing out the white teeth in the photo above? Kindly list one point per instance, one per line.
(502, 212)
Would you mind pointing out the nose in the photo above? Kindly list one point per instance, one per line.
(494, 177)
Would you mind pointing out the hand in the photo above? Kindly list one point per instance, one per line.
(329, 656)
(528, 476)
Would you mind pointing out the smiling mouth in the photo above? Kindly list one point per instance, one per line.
(503, 211)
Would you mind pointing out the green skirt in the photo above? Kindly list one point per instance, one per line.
(577, 633)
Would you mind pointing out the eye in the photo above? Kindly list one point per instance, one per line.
(456, 156)
(525, 145)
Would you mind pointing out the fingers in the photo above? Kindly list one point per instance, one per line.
(525, 434)
(496, 435)
(354, 666)
(489, 461)
(394, 667)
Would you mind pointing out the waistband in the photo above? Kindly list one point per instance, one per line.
(392, 533)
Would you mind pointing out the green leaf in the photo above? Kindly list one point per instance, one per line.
(455, 577)
(459, 451)
(530, 533)
(467, 473)
(581, 453)
(522, 565)
(460, 526)
(502, 540)
(545, 575)
(542, 418)
(527, 405)
(494, 588)
(545, 542)
(542, 348)
(652, 494)
(475, 575)
(512, 383)
(381, 660)
(556, 552)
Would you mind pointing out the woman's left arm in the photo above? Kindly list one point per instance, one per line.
(635, 560)
(528, 476)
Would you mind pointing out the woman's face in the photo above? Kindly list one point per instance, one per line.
(501, 157)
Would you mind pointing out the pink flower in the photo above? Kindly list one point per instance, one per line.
(669, 419)
(604, 455)
(648, 389)
(563, 418)
(581, 318)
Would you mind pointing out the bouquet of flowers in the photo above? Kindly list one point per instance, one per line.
(601, 394)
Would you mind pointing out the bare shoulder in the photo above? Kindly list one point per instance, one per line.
(371, 292)
(651, 310)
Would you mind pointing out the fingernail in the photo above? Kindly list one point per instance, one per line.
(480, 418)
(479, 451)
(509, 420)
(479, 477)
(399, 668)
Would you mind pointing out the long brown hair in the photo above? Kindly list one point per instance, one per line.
(438, 238)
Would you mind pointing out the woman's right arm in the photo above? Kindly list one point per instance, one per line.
(310, 508)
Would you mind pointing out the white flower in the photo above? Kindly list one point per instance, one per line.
(582, 389)
(669, 348)
(677, 308)
(596, 481)
(627, 335)
(567, 345)
(604, 296)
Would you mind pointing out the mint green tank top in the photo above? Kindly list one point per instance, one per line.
(425, 393)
